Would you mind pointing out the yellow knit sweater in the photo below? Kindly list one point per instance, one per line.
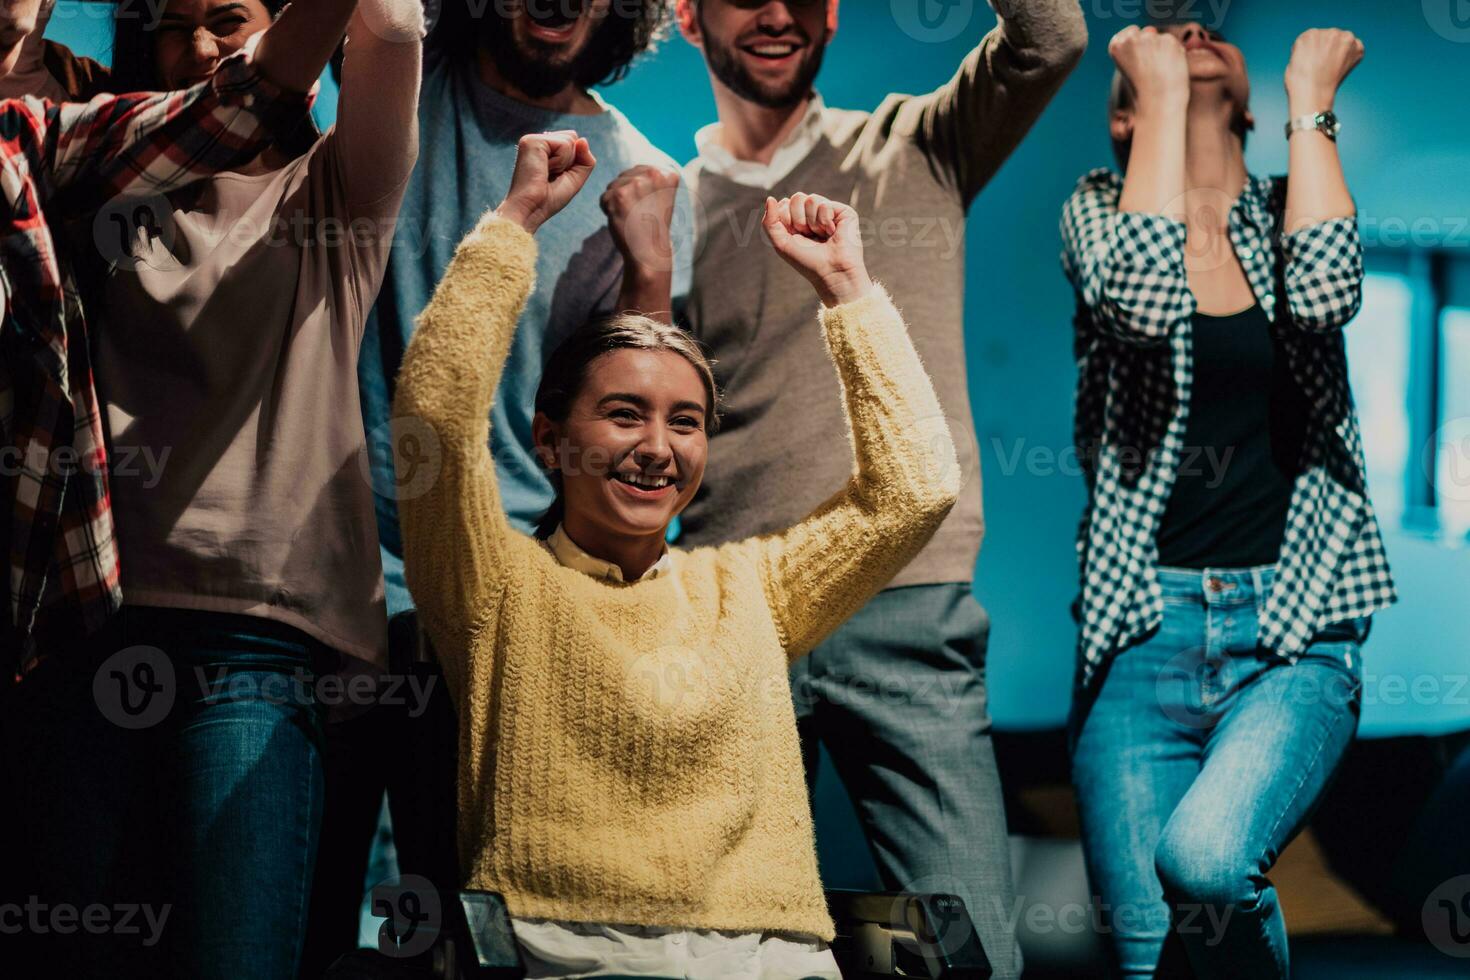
(628, 753)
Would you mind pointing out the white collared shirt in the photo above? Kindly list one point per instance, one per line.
(569, 554)
(798, 143)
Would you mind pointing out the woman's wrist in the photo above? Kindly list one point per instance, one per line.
(841, 290)
(1306, 100)
(510, 211)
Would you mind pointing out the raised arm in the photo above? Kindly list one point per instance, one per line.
(906, 478)
(132, 145)
(974, 122)
(1123, 246)
(454, 527)
(640, 205)
(1127, 266)
(1324, 256)
(377, 113)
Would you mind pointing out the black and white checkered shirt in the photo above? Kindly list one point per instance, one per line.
(1135, 373)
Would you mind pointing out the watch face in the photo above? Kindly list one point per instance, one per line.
(1327, 122)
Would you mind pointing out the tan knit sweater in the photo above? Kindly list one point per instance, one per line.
(628, 753)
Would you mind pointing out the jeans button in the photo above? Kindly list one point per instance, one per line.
(1216, 585)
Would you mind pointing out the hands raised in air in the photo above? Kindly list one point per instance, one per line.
(551, 169)
(820, 239)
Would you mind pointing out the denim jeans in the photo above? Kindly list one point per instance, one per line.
(178, 788)
(1198, 757)
(897, 696)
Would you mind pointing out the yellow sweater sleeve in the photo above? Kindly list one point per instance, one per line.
(906, 480)
(455, 533)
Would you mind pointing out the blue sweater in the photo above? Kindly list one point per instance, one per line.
(468, 135)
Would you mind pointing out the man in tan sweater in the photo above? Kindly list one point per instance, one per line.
(897, 694)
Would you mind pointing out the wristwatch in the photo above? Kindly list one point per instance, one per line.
(1323, 122)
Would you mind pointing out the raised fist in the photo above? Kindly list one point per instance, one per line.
(820, 239)
(550, 169)
(1320, 60)
(1153, 61)
(639, 206)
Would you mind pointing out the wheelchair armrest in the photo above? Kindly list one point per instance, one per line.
(888, 934)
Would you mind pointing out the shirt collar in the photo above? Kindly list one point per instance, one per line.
(802, 139)
(1254, 201)
(569, 554)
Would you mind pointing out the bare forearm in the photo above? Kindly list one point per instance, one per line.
(297, 47)
(1316, 189)
(1154, 183)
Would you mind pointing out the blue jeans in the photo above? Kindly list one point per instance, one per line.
(189, 810)
(897, 695)
(1197, 758)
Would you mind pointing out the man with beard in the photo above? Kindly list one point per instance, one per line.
(897, 694)
(494, 72)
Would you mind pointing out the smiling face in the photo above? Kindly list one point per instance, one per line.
(18, 19)
(194, 36)
(540, 45)
(765, 51)
(632, 449)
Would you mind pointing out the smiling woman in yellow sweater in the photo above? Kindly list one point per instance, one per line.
(628, 748)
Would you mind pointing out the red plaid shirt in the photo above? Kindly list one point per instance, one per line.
(61, 557)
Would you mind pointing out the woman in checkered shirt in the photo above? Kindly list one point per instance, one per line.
(1230, 557)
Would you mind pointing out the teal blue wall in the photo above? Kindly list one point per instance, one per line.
(1407, 155)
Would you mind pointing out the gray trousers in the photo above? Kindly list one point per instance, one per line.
(897, 696)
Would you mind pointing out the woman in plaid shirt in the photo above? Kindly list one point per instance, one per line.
(1230, 557)
(84, 765)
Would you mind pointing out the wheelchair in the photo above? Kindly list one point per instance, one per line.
(434, 930)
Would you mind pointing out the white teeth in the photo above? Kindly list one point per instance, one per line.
(774, 50)
(651, 482)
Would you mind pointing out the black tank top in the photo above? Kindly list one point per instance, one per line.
(1242, 449)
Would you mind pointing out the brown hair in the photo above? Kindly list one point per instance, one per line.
(566, 370)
